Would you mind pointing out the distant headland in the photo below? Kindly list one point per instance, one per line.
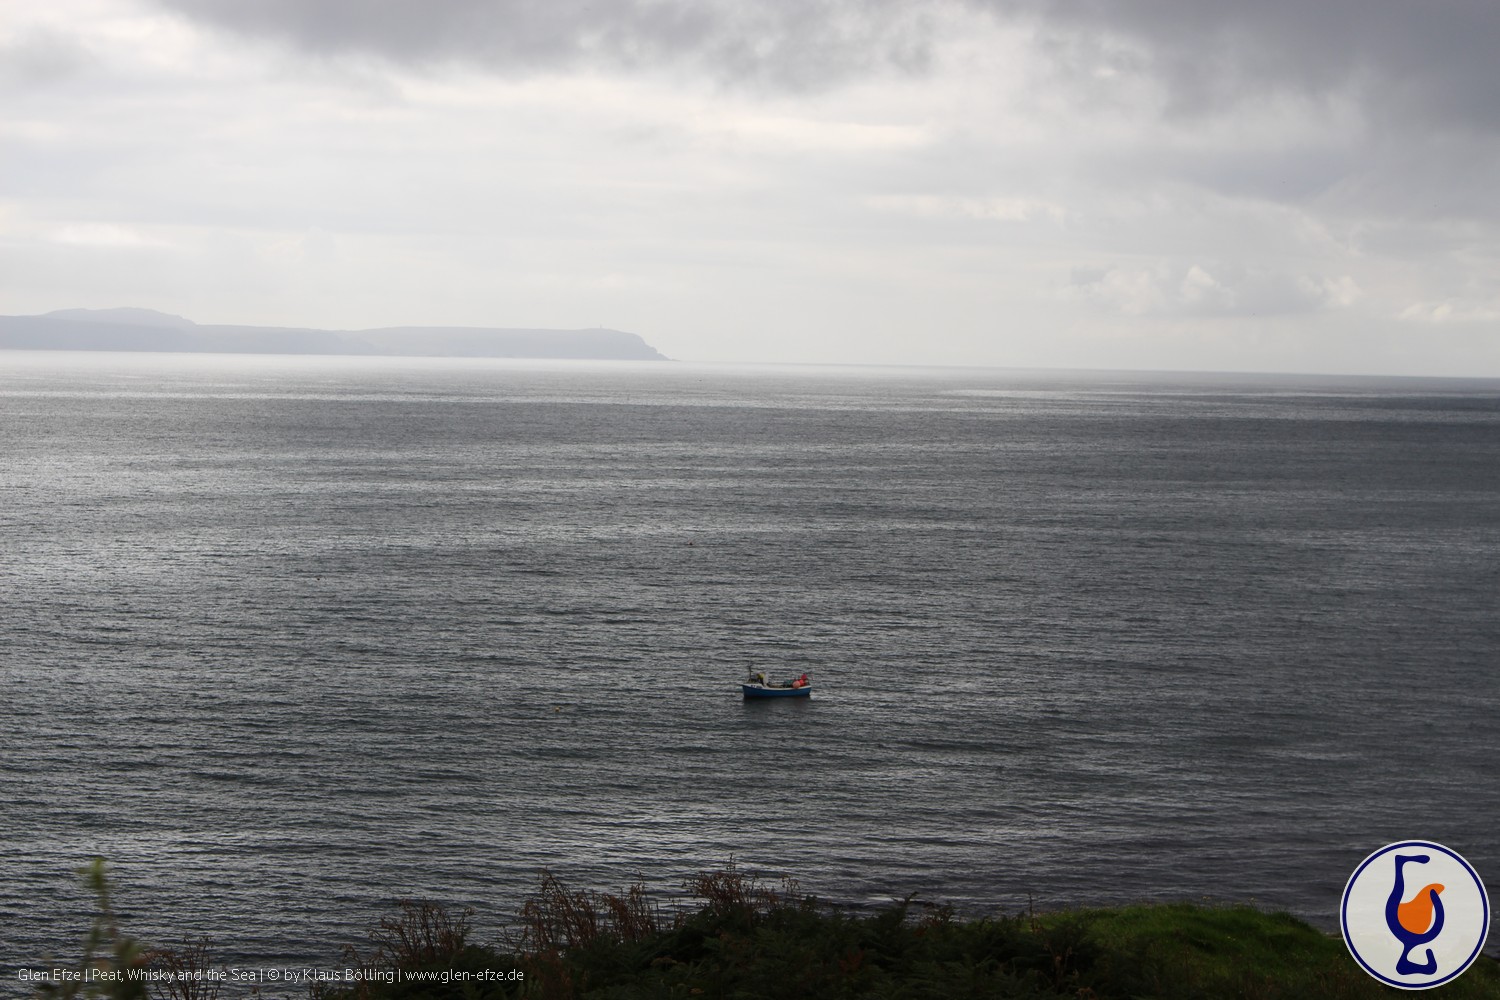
(149, 330)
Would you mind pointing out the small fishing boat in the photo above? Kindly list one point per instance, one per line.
(756, 686)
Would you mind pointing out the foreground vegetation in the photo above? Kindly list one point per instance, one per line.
(744, 939)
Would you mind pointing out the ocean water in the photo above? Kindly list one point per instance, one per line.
(284, 639)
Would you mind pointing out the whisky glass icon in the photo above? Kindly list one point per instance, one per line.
(1417, 921)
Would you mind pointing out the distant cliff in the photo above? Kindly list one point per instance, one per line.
(148, 330)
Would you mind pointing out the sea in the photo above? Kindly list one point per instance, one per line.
(287, 639)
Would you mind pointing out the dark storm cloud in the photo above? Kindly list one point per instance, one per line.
(1404, 61)
(793, 43)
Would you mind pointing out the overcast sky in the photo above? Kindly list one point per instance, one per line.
(1278, 185)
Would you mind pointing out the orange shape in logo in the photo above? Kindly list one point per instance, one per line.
(1416, 914)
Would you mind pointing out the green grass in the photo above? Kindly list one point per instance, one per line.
(746, 941)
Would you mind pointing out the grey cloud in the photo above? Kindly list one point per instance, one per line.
(1428, 62)
(1289, 171)
(1224, 290)
(793, 43)
(1406, 92)
(1432, 61)
(40, 58)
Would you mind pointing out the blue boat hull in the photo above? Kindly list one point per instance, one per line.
(757, 691)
